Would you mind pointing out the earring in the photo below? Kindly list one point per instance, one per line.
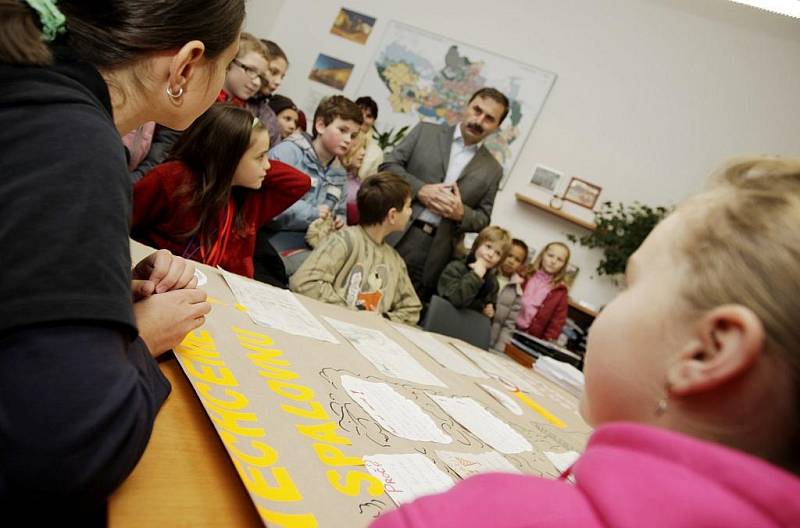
(663, 403)
(174, 96)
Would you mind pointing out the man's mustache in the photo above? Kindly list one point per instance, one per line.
(477, 129)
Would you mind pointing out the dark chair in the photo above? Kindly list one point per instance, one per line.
(463, 323)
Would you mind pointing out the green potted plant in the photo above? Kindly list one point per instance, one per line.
(388, 139)
(620, 230)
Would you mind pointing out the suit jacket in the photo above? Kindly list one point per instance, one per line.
(422, 158)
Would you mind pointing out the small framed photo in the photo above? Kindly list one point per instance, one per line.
(582, 193)
(331, 71)
(546, 178)
(353, 26)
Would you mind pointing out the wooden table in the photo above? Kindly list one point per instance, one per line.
(185, 477)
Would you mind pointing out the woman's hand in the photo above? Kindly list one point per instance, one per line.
(164, 319)
(161, 272)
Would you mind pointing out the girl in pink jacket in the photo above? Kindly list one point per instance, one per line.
(692, 380)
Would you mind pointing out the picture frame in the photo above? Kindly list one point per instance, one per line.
(331, 71)
(353, 26)
(582, 193)
(546, 178)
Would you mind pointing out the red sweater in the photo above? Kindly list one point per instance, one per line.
(551, 316)
(160, 215)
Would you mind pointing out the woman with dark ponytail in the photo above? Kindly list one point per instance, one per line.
(79, 386)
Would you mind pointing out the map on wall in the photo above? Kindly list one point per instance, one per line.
(417, 75)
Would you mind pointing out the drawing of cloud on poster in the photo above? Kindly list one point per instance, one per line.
(417, 75)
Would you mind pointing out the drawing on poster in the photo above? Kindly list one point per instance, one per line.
(417, 75)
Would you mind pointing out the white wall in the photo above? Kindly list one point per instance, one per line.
(651, 95)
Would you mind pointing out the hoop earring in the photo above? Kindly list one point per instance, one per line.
(174, 96)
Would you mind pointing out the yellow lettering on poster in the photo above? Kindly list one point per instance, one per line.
(333, 456)
(237, 401)
(352, 483)
(269, 371)
(287, 520)
(291, 391)
(222, 376)
(266, 454)
(200, 338)
(264, 356)
(315, 412)
(284, 489)
(324, 432)
(229, 420)
(199, 353)
(242, 334)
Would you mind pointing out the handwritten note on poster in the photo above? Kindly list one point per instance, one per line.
(444, 354)
(406, 477)
(387, 356)
(276, 308)
(483, 424)
(469, 464)
(393, 411)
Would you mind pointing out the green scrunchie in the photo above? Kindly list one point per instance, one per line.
(51, 18)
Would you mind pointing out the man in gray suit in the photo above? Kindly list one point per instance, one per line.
(453, 180)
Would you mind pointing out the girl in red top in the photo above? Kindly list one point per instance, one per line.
(545, 302)
(208, 202)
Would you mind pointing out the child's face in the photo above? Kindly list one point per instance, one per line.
(273, 76)
(243, 79)
(369, 120)
(288, 120)
(336, 136)
(489, 252)
(253, 166)
(516, 256)
(633, 339)
(554, 259)
(357, 159)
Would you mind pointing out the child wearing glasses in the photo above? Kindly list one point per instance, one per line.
(245, 72)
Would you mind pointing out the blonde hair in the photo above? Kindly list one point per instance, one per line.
(349, 157)
(536, 265)
(248, 43)
(493, 234)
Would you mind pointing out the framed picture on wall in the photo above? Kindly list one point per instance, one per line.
(353, 26)
(582, 193)
(331, 71)
(546, 178)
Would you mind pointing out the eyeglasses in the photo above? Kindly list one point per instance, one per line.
(251, 72)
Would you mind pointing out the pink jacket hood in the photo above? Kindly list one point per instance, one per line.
(630, 475)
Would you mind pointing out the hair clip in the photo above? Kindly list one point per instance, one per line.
(52, 20)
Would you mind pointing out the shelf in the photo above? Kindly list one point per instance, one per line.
(583, 309)
(555, 212)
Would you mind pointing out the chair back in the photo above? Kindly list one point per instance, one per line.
(463, 323)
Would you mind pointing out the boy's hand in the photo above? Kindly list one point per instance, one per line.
(165, 319)
(479, 267)
(324, 211)
(338, 222)
(488, 310)
(160, 272)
